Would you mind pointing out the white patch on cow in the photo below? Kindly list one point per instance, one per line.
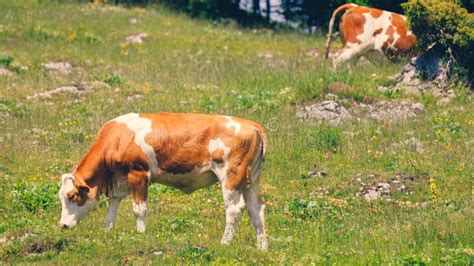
(232, 123)
(141, 127)
(396, 37)
(215, 144)
(371, 25)
(139, 209)
(219, 169)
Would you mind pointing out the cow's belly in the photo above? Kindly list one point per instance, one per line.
(188, 182)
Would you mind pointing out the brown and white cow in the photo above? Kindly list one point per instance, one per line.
(185, 151)
(364, 29)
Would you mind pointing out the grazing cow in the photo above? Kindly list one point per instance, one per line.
(185, 151)
(364, 29)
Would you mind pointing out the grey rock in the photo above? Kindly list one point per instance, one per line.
(134, 97)
(401, 188)
(60, 67)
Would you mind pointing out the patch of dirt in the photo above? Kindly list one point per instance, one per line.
(338, 88)
(47, 244)
(332, 112)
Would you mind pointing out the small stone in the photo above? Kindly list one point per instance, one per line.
(415, 144)
(423, 204)
(312, 53)
(383, 185)
(364, 62)
(265, 55)
(418, 107)
(371, 195)
(133, 20)
(331, 106)
(134, 97)
(136, 38)
(401, 188)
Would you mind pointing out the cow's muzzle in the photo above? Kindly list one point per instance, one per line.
(63, 226)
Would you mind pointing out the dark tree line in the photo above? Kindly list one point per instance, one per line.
(305, 13)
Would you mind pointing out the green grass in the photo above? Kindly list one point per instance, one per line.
(190, 65)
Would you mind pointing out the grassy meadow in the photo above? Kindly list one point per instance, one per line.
(190, 65)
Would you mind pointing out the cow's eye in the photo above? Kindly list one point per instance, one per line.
(70, 197)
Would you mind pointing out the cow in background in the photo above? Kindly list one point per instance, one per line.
(363, 29)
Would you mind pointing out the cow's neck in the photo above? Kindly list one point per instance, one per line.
(92, 171)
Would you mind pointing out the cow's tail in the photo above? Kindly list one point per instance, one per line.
(331, 24)
(253, 170)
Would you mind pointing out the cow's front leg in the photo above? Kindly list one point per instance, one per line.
(138, 184)
(112, 212)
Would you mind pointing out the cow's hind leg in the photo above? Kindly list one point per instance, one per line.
(138, 185)
(234, 205)
(256, 210)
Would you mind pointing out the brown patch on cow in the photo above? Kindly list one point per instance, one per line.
(138, 185)
(239, 162)
(218, 156)
(352, 25)
(377, 31)
(375, 13)
(407, 41)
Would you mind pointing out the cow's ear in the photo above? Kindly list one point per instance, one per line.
(81, 186)
(83, 189)
(66, 177)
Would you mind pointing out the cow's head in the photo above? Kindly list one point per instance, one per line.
(75, 200)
